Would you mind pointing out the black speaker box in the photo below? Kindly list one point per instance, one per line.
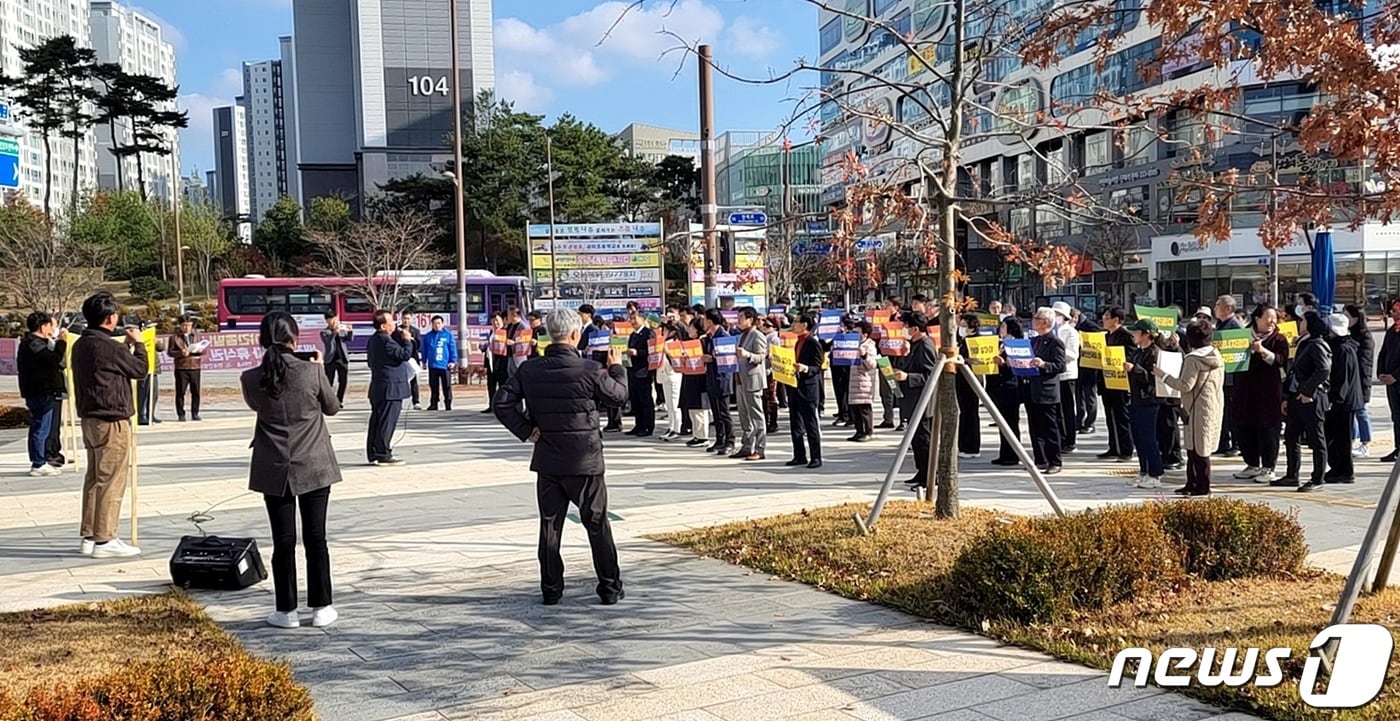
(217, 563)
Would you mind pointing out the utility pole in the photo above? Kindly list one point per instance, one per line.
(708, 204)
(459, 186)
(788, 230)
(553, 266)
(179, 245)
(1273, 201)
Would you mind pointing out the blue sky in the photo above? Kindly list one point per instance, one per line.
(548, 58)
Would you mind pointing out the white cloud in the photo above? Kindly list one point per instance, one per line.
(520, 88)
(230, 83)
(197, 140)
(639, 33)
(514, 35)
(750, 37)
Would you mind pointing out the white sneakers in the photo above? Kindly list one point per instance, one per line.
(969, 455)
(86, 546)
(114, 548)
(1266, 475)
(1361, 450)
(320, 618)
(1150, 482)
(1249, 472)
(44, 470)
(1136, 480)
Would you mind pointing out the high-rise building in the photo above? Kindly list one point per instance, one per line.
(232, 184)
(24, 24)
(124, 36)
(195, 190)
(381, 104)
(269, 103)
(652, 143)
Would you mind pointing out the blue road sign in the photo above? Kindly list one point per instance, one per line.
(9, 163)
(870, 244)
(4, 112)
(753, 218)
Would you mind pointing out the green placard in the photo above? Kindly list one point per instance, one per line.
(887, 371)
(1165, 318)
(1234, 348)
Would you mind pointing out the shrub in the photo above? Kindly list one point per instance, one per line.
(1222, 539)
(228, 688)
(1043, 569)
(14, 417)
(149, 288)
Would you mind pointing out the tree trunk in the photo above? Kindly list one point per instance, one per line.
(48, 179)
(141, 176)
(73, 201)
(112, 130)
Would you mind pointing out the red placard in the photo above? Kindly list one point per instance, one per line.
(894, 342)
(500, 342)
(524, 343)
(692, 358)
(656, 352)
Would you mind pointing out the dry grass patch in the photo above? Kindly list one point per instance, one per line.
(907, 562)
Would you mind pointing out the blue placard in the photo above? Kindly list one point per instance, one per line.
(845, 349)
(599, 339)
(829, 324)
(726, 352)
(1019, 356)
(777, 310)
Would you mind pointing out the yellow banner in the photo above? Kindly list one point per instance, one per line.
(1114, 377)
(784, 365)
(148, 337)
(1091, 347)
(981, 350)
(1289, 329)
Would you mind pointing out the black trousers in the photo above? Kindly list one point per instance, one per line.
(493, 383)
(863, 418)
(841, 384)
(1088, 412)
(1045, 432)
(1305, 426)
(1116, 421)
(1337, 429)
(53, 445)
(643, 403)
(770, 405)
(723, 417)
(1169, 434)
(1229, 428)
(1010, 409)
(383, 418)
(806, 430)
(1259, 445)
(1069, 412)
(147, 399)
(186, 381)
(590, 494)
(923, 442)
(282, 514)
(339, 375)
(413, 385)
(969, 430)
(1198, 472)
(614, 416)
(439, 377)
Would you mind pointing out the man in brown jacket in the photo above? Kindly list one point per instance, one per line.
(102, 374)
(189, 357)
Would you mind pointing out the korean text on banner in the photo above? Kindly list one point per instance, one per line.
(1091, 347)
(541, 343)
(1289, 330)
(1170, 363)
(878, 320)
(1165, 318)
(787, 340)
(1234, 348)
(692, 358)
(1114, 377)
(784, 365)
(500, 342)
(1019, 356)
(598, 340)
(621, 332)
(524, 343)
(727, 354)
(887, 372)
(656, 353)
(829, 325)
(981, 352)
(894, 342)
(845, 349)
(673, 354)
(988, 324)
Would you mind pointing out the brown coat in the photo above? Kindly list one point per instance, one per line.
(291, 444)
(1201, 384)
(177, 346)
(103, 370)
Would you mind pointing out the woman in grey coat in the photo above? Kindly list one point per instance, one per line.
(864, 386)
(293, 465)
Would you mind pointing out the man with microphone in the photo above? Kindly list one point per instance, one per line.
(390, 373)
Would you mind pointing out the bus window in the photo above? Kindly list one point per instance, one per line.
(356, 305)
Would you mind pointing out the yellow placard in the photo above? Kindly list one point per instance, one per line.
(784, 365)
(1091, 347)
(602, 261)
(981, 352)
(1114, 377)
(1289, 329)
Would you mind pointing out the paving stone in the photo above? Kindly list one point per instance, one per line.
(679, 698)
(969, 693)
(1065, 701)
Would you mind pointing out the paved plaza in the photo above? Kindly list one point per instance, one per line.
(438, 588)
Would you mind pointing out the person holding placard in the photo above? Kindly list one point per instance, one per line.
(1006, 394)
(1169, 410)
(1226, 317)
(1087, 390)
(1260, 390)
(969, 432)
(1344, 395)
(1201, 384)
(1306, 399)
(1116, 402)
(1069, 380)
(865, 376)
(670, 376)
(496, 354)
(1144, 403)
(802, 401)
(1041, 392)
(1388, 372)
(719, 384)
(639, 380)
(751, 382)
(913, 373)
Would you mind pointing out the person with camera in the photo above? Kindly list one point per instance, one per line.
(293, 464)
(102, 376)
(39, 362)
(335, 356)
(552, 401)
(389, 353)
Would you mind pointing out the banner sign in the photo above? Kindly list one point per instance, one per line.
(981, 352)
(894, 342)
(586, 254)
(1289, 330)
(887, 372)
(1019, 356)
(845, 349)
(1170, 363)
(656, 352)
(1234, 348)
(1165, 318)
(988, 324)
(727, 354)
(524, 343)
(1091, 345)
(829, 325)
(599, 340)
(1114, 377)
(784, 365)
(692, 358)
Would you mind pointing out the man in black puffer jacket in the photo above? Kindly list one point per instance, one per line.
(39, 362)
(552, 401)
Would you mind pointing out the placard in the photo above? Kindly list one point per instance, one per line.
(726, 353)
(845, 349)
(692, 358)
(1234, 348)
(1019, 356)
(981, 353)
(878, 320)
(784, 365)
(1165, 318)
(829, 325)
(895, 341)
(500, 342)
(1289, 330)
(542, 342)
(1170, 363)
(599, 340)
(524, 343)
(656, 352)
(1114, 377)
(988, 324)
(887, 372)
(673, 354)
(1091, 345)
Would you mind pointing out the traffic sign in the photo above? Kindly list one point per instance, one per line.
(9, 163)
(751, 218)
(4, 112)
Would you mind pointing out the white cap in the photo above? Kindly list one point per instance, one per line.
(1063, 309)
(1340, 323)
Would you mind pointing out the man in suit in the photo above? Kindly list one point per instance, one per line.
(719, 386)
(335, 345)
(1041, 393)
(803, 400)
(640, 380)
(514, 326)
(388, 386)
(552, 402)
(915, 373)
(752, 381)
(187, 367)
(415, 337)
(1226, 317)
(1115, 403)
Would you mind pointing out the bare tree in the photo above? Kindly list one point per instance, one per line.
(1115, 246)
(40, 269)
(376, 251)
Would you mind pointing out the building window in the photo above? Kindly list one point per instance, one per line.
(1048, 223)
(1098, 153)
(1137, 148)
(1020, 221)
(1026, 177)
(831, 36)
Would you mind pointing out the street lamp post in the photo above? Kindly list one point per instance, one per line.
(549, 169)
(179, 246)
(458, 180)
